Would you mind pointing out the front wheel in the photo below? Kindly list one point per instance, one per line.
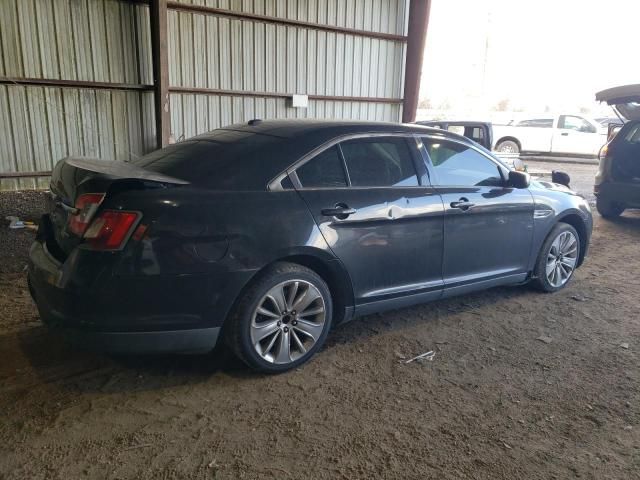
(558, 258)
(282, 320)
(508, 146)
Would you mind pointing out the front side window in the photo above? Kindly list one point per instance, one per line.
(323, 171)
(456, 164)
(379, 162)
(570, 122)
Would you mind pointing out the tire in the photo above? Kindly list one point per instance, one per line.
(268, 307)
(608, 209)
(508, 146)
(556, 278)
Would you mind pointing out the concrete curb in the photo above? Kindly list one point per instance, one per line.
(579, 161)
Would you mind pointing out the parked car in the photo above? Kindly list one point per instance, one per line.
(617, 184)
(479, 132)
(613, 126)
(606, 121)
(552, 134)
(269, 233)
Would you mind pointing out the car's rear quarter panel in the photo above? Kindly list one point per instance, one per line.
(220, 239)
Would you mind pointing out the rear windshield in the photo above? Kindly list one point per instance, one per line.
(211, 160)
(633, 136)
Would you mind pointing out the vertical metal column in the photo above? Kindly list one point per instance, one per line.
(418, 23)
(160, 58)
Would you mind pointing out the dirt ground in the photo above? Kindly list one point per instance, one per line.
(496, 402)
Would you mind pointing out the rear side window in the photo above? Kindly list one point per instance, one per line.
(459, 129)
(459, 165)
(536, 122)
(379, 162)
(323, 171)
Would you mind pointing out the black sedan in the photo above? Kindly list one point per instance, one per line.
(269, 233)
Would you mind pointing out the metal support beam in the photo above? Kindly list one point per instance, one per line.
(221, 12)
(251, 93)
(160, 57)
(25, 174)
(53, 82)
(418, 23)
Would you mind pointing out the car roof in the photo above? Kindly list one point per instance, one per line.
(256, 151)
(310, 133)
(438, 122)
(295, 128)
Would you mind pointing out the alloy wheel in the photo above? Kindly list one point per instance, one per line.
(507, 149)
(288, 321)
(561, 259)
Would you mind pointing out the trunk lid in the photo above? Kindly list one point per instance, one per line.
(625, 100)
(74, 177)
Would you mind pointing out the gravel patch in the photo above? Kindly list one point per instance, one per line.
(26, 205)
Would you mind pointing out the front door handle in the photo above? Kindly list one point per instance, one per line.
(462, 204)
(565, 134)
(340, 211)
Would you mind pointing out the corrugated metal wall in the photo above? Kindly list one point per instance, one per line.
(92, 40)
(207, 51)
(110, 41)
(383, 16)
(41, 125)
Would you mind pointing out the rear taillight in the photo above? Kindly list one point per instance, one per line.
(86, 206)
(603, 152)
(603, 166)
(111, 229)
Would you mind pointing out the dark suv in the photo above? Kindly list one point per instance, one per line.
(269, 233)
(617, 185)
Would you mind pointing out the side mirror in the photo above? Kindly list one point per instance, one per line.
(560, 177)
(519, 179)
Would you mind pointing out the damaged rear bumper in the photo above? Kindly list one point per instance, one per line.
(104, 319)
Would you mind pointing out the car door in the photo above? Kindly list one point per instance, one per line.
(577, 136)
(535, 134)
(380, 218)
(488, 226)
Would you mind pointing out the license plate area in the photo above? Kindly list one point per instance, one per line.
(44, 228)
(59, 215)
(46, 236)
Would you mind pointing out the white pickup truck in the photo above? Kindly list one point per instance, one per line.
(552, 134)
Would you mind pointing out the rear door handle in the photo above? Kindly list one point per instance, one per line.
(564, 134)
(340, 211)
(462, 204)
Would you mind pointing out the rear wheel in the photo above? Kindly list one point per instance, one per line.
(508, 146)
(282, 320)
(608, 209)
(558, 258)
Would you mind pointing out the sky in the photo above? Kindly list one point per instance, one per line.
(540, 54)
